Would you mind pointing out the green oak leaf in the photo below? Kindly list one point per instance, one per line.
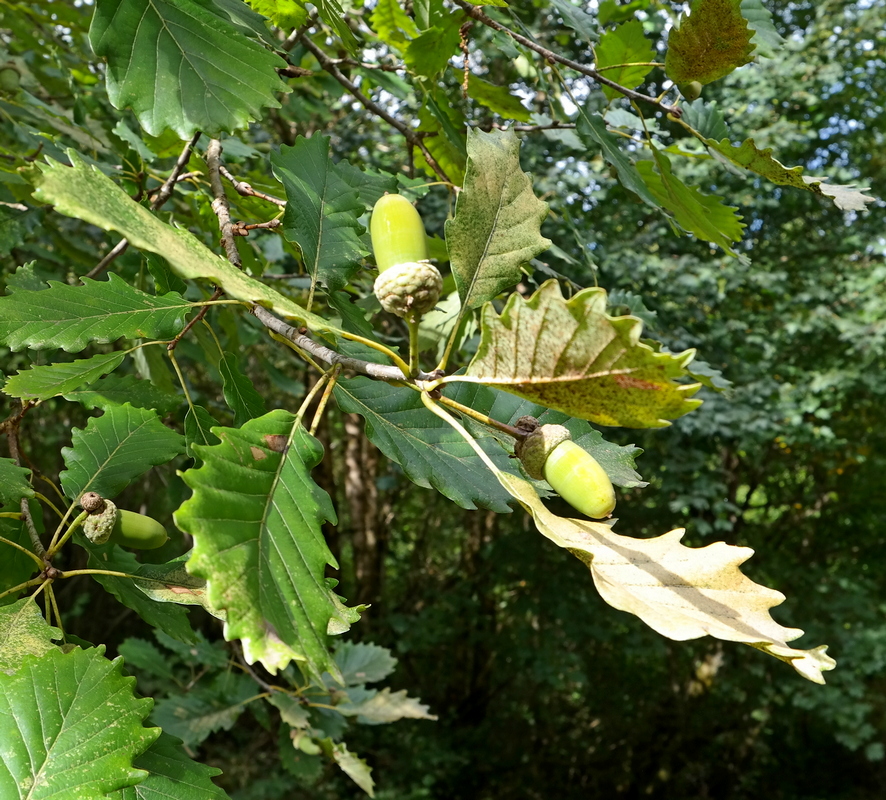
(70, 317)
(767, 40)
(322, 211)
(711, 42)
(115, 390)
(624, 45)
(392, 24)
(82, 191)
(703, 215)
(573, 357)
(497, 99)
(750, 157)
(23, 632)
(169, 618)
(364, 662)
(591, 129)
(15, 566)
(496, 228)
(43, 382)
(256, 517)
(171, 774)
(116, 448)
(80, 739)
(240, 394)
(207, 708)
(13, 482)
(180, 65)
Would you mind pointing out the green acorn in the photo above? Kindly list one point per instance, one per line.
(408, 285)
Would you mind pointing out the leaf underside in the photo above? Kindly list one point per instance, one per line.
(573, 357)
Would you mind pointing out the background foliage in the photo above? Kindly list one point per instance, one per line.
(539, 691)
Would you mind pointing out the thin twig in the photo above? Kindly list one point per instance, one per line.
(413, 138)
(16, 455)
(159, 198)
(242, 228)
(220, 202)
(383, 372)
(245, 190)
(551, 56)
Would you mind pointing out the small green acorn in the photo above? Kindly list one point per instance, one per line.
(408, 285)
(691, 91)
(549, 453)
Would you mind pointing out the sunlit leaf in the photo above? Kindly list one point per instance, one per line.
(256, 517)
(711, 42)
(706, 216)
(23, 632)
(497, 221)
(624, 45)
(573, 357)
(680, 592)
(82, 191)
(78, 741)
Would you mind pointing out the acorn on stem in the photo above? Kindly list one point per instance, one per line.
(548, 452)
(106, 523)
(408, 285)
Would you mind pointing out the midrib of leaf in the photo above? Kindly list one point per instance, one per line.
(271, 503)
(112, 453)
(477, 270)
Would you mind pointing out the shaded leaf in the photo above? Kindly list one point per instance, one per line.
(680, 592)
(579, 20)
(573, 357)
(78, 741)
(591, 129)
(711, 42)
(497, 221)
(23, 632)
(42, 382)
(322, 211)
(703, 215)
(198, 429)
(240, 394)
(146, 658)
(369, 184)
(171, 619)
(172, 583)
(115, 390)
(497, 99)
(116, 448)
(14, 483)
(82, 191)
(70, 317)
(385, 706)
(207, 708)
(178, 65)
(15, 566)
(363, 662)
(429, 451)
(706, 119)
(171, 774)
(623, 45)
(256, 517)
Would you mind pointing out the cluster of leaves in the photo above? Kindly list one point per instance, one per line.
(256, 514)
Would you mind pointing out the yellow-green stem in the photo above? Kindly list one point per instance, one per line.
(76, 523)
